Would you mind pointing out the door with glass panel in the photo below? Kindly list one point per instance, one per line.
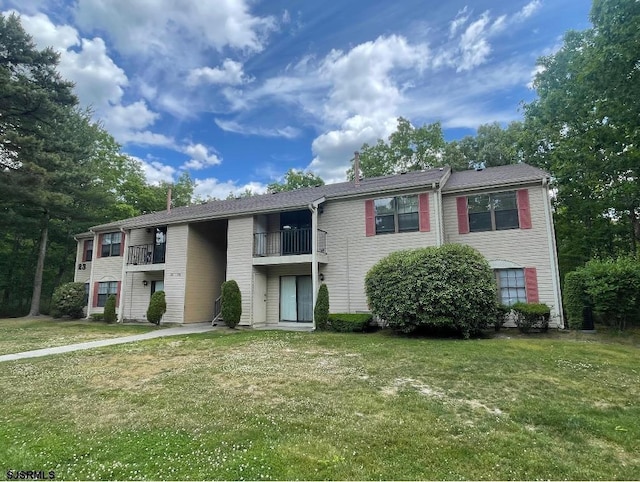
(296, 298)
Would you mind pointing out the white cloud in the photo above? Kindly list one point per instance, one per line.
(474, 45)
(460, 19)
(334, 149)
(230, 73)
(529, 9)
(156, 172)
(212, 187)
(286, 132)
(200, 157)
(45, 33)
(173, 29)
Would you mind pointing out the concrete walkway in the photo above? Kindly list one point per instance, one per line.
(179, 330)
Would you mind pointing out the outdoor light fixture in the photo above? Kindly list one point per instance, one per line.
(321, 277)
(145, 282)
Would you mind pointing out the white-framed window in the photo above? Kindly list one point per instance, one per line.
(111, 244)
(493, 212)
(511, 286)
(397, 214)
(105, 289)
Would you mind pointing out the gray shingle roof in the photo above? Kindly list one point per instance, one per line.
(299, 198)
(494, 176)
(303, 197)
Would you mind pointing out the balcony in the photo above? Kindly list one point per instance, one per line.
(290, 245)
(146, 254)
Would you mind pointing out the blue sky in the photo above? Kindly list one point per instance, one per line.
(239, 91)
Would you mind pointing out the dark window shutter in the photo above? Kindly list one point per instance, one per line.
(463, 215)
(370, 217)
(531, 285)
(524, 211)
(423, 208)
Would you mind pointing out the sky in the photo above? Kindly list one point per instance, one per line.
(237, 92)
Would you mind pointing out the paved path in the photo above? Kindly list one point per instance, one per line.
(179, 330)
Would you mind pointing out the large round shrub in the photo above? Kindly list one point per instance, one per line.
(110, 309)
(449, 287)
(321, 310)
(157, 307)
(231, 308)
(68, 300)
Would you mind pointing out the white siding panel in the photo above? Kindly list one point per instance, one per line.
(240, 261)
(138, 295)
(351, 253)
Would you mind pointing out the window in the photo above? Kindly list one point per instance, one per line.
(157, 286)
(104, 290)
(110, 244)
(87, 252)
(86, 294)
(493, 212)
(511, 286)
(396, 214)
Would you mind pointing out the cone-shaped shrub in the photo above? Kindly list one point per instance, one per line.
(110, 309)
(321, 310)
(157, 307)
(231, 308)
(68, 300)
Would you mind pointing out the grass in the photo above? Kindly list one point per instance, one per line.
(277, 405)
(19, 334)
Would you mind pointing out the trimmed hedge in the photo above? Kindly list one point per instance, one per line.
(68, 300)
(321, 310)
(528, 316)
(349, 322)
(502, 312)
(110, 309)
(157, 307)
(231, 309)
(450, 287)
(575, 297)
(610, 287)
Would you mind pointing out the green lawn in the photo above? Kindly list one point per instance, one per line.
(18, 334)
(278, 405)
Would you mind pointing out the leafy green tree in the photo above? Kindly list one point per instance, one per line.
(583, 128)
(68, 300)
(295, 179)
(110, 309)
(494, 146)
(157, 307)
(321, 310)
(409, 148)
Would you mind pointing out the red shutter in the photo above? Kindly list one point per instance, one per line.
(98, 251)
(524, 212)
(95, 293)
(370, 217)
(463, 215)
(531, 285)
(122, 245)
(118, 294)
(423, 208)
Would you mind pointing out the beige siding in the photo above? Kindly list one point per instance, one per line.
(104, 269)
(206, 259)
(82, 271)
(523, 247)
(137, 295)
(351, 253)
(175, 272)
(141, 236)
(273, 287)
(240, 261)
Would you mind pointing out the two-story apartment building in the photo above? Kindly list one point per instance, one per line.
(280, 247)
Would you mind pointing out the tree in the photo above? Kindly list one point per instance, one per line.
(321, 310)
(409, 148)
(110, 309)
(583, 128)
(231, 303)
(157, 307)
(295, 179)
(493, 146)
